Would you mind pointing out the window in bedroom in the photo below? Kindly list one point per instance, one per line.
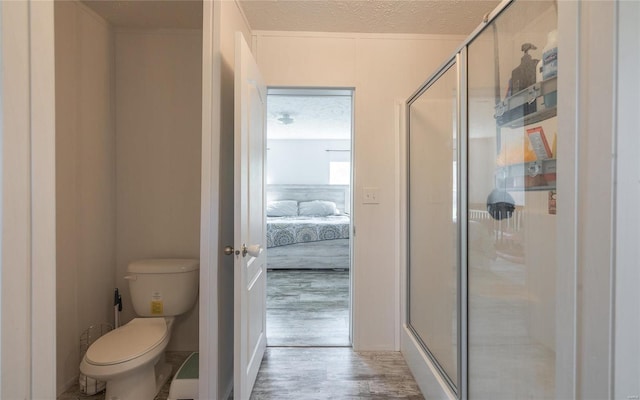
(339, 172)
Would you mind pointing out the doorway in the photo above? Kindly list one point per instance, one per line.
(309, 221)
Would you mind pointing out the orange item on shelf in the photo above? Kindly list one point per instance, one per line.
(538, 143)
(516, 152)
(529, 152)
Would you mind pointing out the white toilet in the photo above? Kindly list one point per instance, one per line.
(130, 359)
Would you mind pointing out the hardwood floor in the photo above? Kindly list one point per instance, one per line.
(307, 308)
(333, 373)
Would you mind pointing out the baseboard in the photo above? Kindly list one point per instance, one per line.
(425, 373)
(228, 391)
(67, 385)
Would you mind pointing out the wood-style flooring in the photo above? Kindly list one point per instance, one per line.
(307, 308)
(333, 373)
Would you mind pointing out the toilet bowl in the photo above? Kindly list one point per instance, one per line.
(130, 359)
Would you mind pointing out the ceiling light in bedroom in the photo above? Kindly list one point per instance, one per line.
(285, 119)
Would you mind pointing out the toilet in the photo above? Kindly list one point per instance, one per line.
(130, 359)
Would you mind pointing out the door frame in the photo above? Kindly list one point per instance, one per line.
(27, 220)
(318, 90)
(210, 257)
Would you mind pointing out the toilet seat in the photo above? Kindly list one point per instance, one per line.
(130, 341)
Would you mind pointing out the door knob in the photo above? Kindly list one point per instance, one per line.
(228, 250)
(253, 250)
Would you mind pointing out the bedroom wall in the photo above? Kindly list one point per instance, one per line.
(383, 69)
(85, 180)
(158, 123)
(304, 162)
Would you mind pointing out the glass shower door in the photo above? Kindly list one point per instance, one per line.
(511, 200)
(433, 265)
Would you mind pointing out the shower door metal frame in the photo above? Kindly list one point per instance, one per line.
(462, 192)
(459, 59)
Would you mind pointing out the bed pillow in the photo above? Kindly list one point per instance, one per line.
(282, 208)
(318, 208)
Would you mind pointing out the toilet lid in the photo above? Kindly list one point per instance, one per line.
(128, 342)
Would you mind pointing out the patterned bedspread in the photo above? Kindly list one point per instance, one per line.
(282, 231)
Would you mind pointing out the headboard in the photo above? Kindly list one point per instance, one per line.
(339, 194)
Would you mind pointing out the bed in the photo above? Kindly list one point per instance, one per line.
(308, 227)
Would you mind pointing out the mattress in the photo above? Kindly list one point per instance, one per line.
(282, 231)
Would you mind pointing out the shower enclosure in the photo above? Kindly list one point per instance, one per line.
(481, 193)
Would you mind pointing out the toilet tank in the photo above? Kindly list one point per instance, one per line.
(163, 287)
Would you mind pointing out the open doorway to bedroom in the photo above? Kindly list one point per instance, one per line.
(308, 208)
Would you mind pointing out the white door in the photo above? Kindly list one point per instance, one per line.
(250, 265)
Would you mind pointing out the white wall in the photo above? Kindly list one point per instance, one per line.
(303, 162)
(585, 205)
(627, 314)
(16, 196)
(595, 186)
(382, 69)
(85, 180)
(158, 84)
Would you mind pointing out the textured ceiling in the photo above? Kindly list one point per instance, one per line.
(367, 16)
(459, 17)
(314, 117)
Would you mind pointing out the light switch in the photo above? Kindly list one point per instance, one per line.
(370, 195)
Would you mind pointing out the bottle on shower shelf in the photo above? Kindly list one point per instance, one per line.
(550, 65)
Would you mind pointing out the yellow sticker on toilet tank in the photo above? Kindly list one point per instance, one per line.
(156, 307)
(156, 304)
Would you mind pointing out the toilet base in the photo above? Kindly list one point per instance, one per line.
(141, 384)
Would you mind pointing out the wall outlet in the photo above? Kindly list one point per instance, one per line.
(370, 195)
